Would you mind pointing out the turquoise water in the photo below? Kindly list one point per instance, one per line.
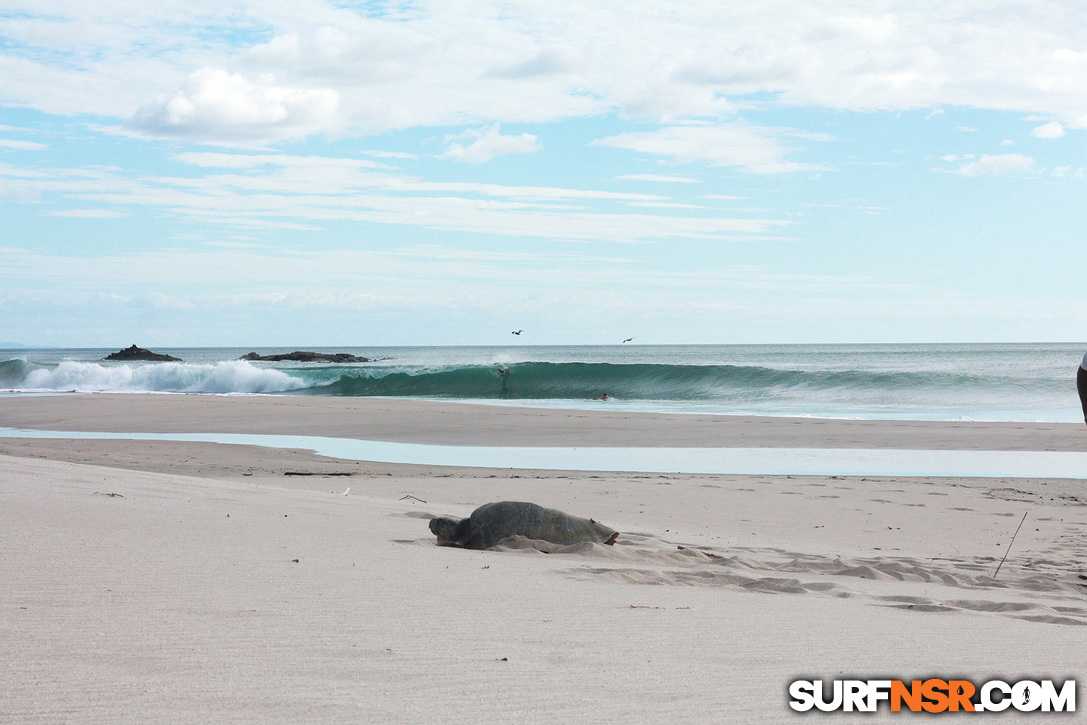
(1027, 382)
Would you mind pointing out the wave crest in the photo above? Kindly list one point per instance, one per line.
(542, 380)
(235, 376)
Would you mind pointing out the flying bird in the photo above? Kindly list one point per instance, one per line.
(628, 339)
(517, 332)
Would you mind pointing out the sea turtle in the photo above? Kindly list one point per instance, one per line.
(492, 522)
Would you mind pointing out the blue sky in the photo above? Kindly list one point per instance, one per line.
(318, 173)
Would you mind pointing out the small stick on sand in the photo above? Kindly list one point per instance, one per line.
(1008, 550)
(413, 498)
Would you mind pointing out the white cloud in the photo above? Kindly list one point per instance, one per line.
(753, 149)
(214, 105)
(997, 165)
(328, 175)
(1062, 171)
(7, 143)
(247, 161)
(391, 155)
(302, 194)
(1053, 129)
(659, 178)
(489, 143)
(548, 61)
(396, 65)
(89, 214)
(663, 205)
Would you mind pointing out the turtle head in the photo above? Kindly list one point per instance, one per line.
(447, 530)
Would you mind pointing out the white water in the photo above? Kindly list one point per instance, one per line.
(235, 376)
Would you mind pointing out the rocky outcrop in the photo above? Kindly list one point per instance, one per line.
(305, 356)
(138, 353)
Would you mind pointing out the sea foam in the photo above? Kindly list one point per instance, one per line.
(236, 376)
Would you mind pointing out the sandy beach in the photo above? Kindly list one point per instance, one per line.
(155, 581)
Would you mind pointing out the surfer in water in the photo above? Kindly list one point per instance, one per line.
(504, 374)
(1081, 385)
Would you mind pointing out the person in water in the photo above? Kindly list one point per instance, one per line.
(1081, 385)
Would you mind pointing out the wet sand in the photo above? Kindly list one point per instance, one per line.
(408, 421)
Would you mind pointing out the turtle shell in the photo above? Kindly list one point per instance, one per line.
(492, 522)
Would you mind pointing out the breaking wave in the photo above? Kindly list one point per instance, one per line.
(926, 382)
(571, 381)
(721, 387)
(223, 377)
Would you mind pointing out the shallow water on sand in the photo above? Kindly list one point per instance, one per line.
(750, 461)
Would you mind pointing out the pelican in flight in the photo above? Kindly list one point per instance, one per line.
(517, 332)
(628, 339)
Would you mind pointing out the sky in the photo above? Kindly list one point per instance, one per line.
(307, 172)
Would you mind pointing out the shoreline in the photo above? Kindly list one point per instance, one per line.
(466, 424)
(720, 460)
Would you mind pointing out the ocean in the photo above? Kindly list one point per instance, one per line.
(984, 382)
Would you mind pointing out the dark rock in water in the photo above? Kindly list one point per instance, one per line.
(138, 353)
(491, 523)
(305, 356)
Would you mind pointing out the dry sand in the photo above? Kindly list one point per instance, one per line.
(194, 582)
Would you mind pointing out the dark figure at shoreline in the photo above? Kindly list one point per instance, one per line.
(1081, 385)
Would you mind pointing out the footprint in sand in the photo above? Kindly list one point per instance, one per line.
(984, 605)
(923, 607)
(777, 571)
